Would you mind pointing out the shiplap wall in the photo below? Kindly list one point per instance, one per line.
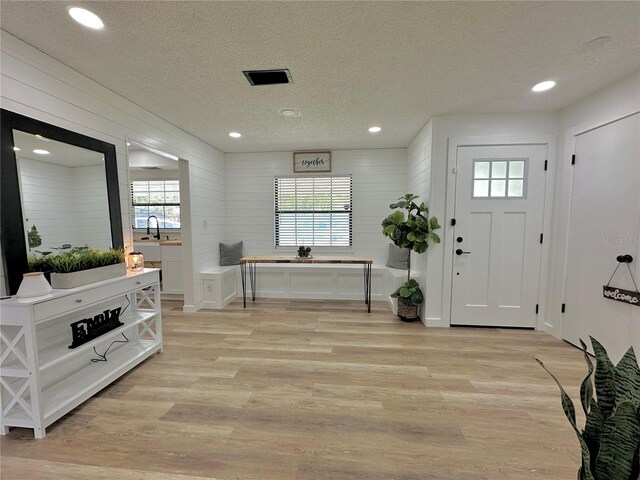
(419, 183)
(90, 192)
(379, 178)
(67, 205)
(36, 85)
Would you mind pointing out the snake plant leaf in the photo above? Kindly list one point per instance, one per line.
(593, 430)
(604, 379)
(626, 379)
(570, 413)
(586, 389)
(620, 443)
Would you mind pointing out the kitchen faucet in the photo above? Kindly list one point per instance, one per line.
(157, 235)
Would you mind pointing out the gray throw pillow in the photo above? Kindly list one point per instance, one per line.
(230, 254)
(398, 257)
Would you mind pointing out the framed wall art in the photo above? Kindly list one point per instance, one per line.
(311, 162)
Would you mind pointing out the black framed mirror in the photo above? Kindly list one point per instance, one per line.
(62, 182)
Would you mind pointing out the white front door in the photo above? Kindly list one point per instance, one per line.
(499, 213)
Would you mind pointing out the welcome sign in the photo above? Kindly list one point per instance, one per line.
(621, 295)
(311, 162)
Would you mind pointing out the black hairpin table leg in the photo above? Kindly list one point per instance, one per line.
(252, 277)
(243, 275)
(369, 288)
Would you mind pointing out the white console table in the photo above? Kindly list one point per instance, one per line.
(41, 379)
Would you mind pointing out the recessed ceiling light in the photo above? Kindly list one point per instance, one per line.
(374, 129)
(41, 152)
(16, 149)
(86, 18)
(235, 134)
(543, 86)
(288, 113)
(40, 137)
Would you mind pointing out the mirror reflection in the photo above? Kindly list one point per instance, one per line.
(63, 191)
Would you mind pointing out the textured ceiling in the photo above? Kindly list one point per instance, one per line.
(59, 153)
(354, 64)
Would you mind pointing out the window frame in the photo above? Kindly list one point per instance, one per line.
(506, 178)
(316, 248)
(155, 204)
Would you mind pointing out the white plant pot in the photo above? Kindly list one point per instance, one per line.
(33, 285)
(85, 277)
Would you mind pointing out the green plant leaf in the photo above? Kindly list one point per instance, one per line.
(411, 236)
(416, 297)
(570, 413)
(626, 379)
(605, 392)
(586, 389)
(397, 218)
(619, 444)
(593, 431)
(405, 292)
(389, 229)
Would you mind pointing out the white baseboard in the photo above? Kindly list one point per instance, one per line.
(192, 308)
(435, 322)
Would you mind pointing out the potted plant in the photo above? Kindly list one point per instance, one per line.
(416, 233)
(79, 265)
(610, 440)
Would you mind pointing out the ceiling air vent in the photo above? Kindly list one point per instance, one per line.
(268, 77)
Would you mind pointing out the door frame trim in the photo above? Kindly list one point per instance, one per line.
(452, 157)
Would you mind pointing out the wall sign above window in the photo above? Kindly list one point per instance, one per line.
(311, 162)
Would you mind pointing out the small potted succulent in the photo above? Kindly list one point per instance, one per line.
(304, 252)
(415, 232)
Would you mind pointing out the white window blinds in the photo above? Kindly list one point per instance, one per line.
(313, 211)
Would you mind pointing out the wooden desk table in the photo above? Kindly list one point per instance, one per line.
(252, 261)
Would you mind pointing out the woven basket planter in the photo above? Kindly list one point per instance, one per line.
(407, 313)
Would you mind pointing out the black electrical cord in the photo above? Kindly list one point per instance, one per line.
(103, 357)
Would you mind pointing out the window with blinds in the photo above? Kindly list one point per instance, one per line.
(156, 197)
(313, 211)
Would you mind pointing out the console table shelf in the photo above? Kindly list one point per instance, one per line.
(35, 335)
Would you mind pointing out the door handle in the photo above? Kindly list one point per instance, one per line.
(460, 252)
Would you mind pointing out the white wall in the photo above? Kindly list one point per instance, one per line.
(91, 206)
(507, 127)
(379, 178)
(419, 183)
(38, 86)
(68, 205)
(607, 105)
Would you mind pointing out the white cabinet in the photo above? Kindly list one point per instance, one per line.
(41, 378)
(172, 278)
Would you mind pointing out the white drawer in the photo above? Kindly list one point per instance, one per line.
(83, 298)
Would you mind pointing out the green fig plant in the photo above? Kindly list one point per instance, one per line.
(610, 440)
(415, 232)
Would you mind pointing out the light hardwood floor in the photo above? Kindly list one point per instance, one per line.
(307, 390)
